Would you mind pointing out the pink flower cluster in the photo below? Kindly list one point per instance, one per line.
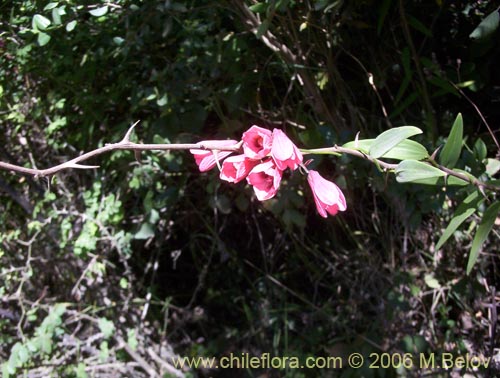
(266, 155)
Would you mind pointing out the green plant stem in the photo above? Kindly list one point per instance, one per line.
(336, 150)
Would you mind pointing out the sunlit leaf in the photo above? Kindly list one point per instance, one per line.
(43, 38)
(106, 326)
(405, 150)
(50, 6)
(492, 166)
(487, 26)
(418, 172)
(390, 138)
(98, 12)
(70, 25)
(431, 281)
(40, 22)
(56, 16)
(453, 146)
(145, 232)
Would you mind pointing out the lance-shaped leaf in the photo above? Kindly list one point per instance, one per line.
(484, 228)
(391, 138)
(453, 146)
(417, 172)
(464, 211)
(405, 150)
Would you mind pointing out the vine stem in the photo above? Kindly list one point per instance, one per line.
(126, 144)
(337, 150)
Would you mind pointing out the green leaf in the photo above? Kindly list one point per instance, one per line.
(418, 172)
(56, 16)
(98, 12)
(384, 9)
(484, 228)
(464, 211)
(492, 166)
(417, 25)
(80, 371)
(106, 326)
(390, 138)
(40, 22)
(480, 150)
(70, 25)
(258, 8)
(453, 146)
(487, 26)
(361, 144)
(145, 232)
(118, 40)
(263, 28)
(132, 339)
(43, 38)
(452, 180)
(406, 150)
(50, 6)
(162, 101)
(431, 281)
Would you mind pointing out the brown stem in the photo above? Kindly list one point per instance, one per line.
(124, 144)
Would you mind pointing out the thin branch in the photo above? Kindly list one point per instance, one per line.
(349, 151)
(124, 144)
(391, 167)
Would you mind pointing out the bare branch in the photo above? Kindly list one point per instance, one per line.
(124, 144)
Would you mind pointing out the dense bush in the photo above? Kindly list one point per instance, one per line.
(114, 271)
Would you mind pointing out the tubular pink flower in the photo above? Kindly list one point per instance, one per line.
(257, 142)
(328, 196)
(205, 159)
(284, 152)
(236, 168)
(265, 179)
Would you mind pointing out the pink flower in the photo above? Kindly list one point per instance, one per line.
(257, 142)
(284, 152)
(205, 159)
(327, 195)
(265, 178)
(236, 168)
